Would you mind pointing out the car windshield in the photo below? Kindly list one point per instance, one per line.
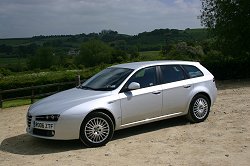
(108, 79)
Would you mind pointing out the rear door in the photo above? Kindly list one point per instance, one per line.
(176, 89)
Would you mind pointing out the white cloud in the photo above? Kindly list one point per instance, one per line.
(45, 17)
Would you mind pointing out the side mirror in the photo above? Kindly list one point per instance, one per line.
(133, 86)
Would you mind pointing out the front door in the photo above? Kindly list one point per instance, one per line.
(143, 103)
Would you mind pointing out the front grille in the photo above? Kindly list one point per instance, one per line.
(29, 120)
(45, 133)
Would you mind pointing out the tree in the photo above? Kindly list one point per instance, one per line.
(229, 21)
(44, 58)
(93, 53)
(119, 56)
(6, 49)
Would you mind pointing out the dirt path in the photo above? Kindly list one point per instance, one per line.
(223, 139)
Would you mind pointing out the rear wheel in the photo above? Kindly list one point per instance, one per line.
(96, 130)
(199, 108)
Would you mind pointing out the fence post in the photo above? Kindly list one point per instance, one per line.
(1, 99)
(32, 95)
(78, 80)
(58, 88)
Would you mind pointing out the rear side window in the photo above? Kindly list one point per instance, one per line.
(192, 71)
(172, 73)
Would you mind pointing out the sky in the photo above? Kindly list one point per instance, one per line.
(27, 18)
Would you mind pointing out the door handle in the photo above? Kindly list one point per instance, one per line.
(156, 92)
(187, 86)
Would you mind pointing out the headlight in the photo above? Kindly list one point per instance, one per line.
(54, 117)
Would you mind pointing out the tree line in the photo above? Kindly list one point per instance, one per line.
(45, 52)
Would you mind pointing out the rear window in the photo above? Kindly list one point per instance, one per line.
(192, 71)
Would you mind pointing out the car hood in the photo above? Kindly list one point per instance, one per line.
(60, 102)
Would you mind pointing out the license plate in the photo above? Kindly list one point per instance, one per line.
(44, 125)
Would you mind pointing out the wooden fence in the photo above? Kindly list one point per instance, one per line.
(33, 89)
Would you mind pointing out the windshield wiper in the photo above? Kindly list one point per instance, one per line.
(104, 89)
(86, 87)
(96, 89)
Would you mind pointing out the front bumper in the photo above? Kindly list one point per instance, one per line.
(66, 128)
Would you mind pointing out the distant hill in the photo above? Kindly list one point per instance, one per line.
(62, 44)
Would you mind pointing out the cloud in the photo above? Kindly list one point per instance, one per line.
(45, 17)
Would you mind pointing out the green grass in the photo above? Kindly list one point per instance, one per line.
(15, 103)
(18, 102)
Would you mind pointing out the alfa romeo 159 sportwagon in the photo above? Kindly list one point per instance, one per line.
(122, 96)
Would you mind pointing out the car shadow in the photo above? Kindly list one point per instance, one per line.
(24, 144)
(150, 127)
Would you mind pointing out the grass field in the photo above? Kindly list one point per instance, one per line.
(12, 61)
(150, 55)
(15, 42)
(198, 34)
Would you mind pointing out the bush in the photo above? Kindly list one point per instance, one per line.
(4, 72)
(185, 52)
(41, 78)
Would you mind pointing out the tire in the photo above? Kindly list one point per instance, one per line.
(199, 109)
(96, 130)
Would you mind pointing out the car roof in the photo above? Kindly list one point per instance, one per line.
(137, 65)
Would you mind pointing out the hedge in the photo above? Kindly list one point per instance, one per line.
(229, 69)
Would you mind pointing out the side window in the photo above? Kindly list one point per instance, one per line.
(172, 73)
(145, 77)
(192, 71)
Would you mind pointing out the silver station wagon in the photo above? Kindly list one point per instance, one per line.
(122, 96)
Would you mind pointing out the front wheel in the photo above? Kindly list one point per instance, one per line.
(199, 109)
(96, 130)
